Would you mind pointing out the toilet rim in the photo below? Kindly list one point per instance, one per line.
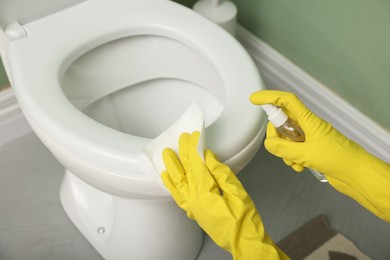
(46, 105)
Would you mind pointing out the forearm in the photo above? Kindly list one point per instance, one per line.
(260, 250)
(256, 246)
(366, 180)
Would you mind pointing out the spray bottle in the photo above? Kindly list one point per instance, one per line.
(288, 129)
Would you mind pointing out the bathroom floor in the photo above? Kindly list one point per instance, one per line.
(34, 226)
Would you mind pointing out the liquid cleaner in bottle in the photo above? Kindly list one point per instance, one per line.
(288, 129)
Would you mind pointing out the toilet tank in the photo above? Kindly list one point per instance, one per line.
(24, 11)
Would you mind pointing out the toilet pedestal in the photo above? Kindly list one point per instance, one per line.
(130, 228)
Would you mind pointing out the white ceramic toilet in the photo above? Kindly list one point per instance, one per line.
(98, 80)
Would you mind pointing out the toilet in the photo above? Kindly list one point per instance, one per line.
(98, 80)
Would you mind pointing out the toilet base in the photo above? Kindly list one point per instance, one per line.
(130, 228)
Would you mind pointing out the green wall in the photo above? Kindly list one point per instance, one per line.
(344, 44)
(3, 77)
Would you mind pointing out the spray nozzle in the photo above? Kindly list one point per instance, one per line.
(275, 114)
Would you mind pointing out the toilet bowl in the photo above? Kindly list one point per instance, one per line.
(98, 80)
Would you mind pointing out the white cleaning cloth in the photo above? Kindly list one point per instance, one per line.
(152, 161)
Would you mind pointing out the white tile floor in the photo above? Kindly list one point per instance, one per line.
(34, 226)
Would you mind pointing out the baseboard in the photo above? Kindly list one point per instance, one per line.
(280, 73)
(13, 124)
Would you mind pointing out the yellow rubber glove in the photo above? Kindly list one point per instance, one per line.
(347, 166)
(212, 195)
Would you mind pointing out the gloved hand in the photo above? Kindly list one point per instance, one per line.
(346, 165)
(212, 195)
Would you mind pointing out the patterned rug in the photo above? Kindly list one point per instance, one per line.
(316, 240)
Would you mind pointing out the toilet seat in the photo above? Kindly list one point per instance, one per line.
(38, 62)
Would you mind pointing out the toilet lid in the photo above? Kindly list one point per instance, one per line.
(38, 62)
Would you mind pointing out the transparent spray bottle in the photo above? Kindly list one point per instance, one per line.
(288, 129)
